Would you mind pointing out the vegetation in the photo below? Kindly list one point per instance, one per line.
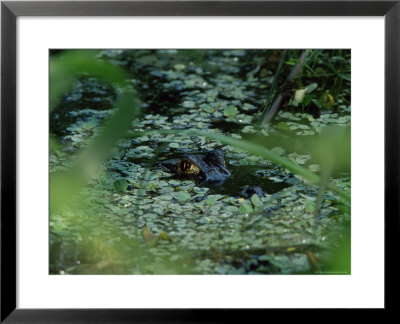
(282, 119)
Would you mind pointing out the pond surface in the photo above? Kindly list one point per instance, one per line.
(137, 218)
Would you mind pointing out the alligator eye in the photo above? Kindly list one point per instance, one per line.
(188, 167)
(184, 165)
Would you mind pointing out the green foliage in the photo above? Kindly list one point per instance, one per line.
(245, 208)
(120, 185)
(230, 111)
(256, 201)
(181, 196)
(64, 184)
(66, 67)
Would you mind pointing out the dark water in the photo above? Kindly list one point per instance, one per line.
(245, 175)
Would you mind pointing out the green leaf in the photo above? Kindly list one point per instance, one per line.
(103, 180)
(310, 207)
(207, 108)
(230, 111)
(299, 95)
(181, 195)
(174, 145)
(120, 185)
(210, 201)
(89, 125)
(307, 99)
(283, 126)
(245, 209)
(188, 104)
(311, 87)
(166, 197)
(256, 200)
(278, 150)
(314, 167)
(179, 67)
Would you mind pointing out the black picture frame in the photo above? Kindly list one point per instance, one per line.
(10, 10)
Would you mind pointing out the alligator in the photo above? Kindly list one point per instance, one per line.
(206, 167)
